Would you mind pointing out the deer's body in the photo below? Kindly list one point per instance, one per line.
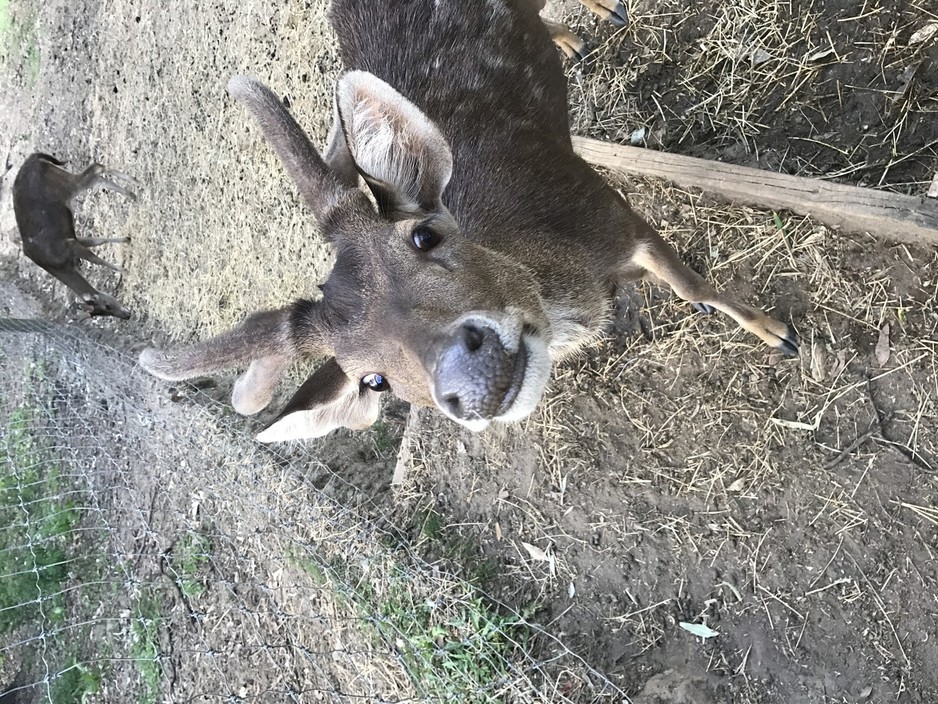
(492, 249)
(42, 202)
(518, 189)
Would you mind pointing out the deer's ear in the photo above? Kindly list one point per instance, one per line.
(328, 400)
(338, 156)
(399, 151)
(255, 388)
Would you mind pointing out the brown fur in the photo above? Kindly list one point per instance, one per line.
(42, 196)
(454, 115)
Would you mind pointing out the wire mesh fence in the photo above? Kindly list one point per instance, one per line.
(150, 551)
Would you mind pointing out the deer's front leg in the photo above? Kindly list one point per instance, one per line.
(654, 256)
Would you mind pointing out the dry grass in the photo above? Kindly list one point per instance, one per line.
(723, 81)
(218, 230)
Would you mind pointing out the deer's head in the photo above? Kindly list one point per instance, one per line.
(412, 304)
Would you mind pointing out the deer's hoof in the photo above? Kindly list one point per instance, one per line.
(788, 345)
(618, 16)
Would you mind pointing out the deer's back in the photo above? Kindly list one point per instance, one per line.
(468, 64)
(488, 74)
(43, 217)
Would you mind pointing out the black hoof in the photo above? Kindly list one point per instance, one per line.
(619, 16)
(788, 345)
(704, 309)
(583, 53)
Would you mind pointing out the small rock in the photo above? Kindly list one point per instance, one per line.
(674, 687)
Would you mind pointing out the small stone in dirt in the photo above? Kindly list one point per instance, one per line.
(674, 687)
(881, 352)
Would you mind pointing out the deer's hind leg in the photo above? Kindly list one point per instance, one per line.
(98, 175)
(89, 256)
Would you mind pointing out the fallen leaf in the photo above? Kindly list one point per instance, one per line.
(759, 56)
(793, 424)
(924, 34)
(535, 552)
(698, 629)
(738, 485)
(818, 362)
(821, 55)
(839, 364)
(739, 597)
(882, 346)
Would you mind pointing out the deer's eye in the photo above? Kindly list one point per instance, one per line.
(425, 239)
(376, 382)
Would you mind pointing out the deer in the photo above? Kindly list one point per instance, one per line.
(474, 248)
(43, 192)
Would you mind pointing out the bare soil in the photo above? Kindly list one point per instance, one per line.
(676, 473)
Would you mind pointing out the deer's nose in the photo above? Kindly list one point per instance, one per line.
(473, 372)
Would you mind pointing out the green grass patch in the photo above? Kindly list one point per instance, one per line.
(36, 524)
(455, 649)
(455, 646)
(385, 439)
(4, 20)
(310, 567)
(77, 684)
(40, 553)
(432, 538)
(19, 40)
(145, 629)
(189, 560)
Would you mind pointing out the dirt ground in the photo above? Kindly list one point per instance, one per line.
(676, 473)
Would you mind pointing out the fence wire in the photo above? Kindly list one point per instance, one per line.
(151, 551)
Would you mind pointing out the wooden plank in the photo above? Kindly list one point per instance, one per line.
(882, 214)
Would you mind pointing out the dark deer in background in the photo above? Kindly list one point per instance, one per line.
(42, 202)
(490, 249)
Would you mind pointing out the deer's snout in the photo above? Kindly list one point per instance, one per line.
(102, 304)
(476, 377)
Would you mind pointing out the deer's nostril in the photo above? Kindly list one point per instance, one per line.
(473, 337)
(452, 403)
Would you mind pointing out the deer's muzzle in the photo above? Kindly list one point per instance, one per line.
(476, 377)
